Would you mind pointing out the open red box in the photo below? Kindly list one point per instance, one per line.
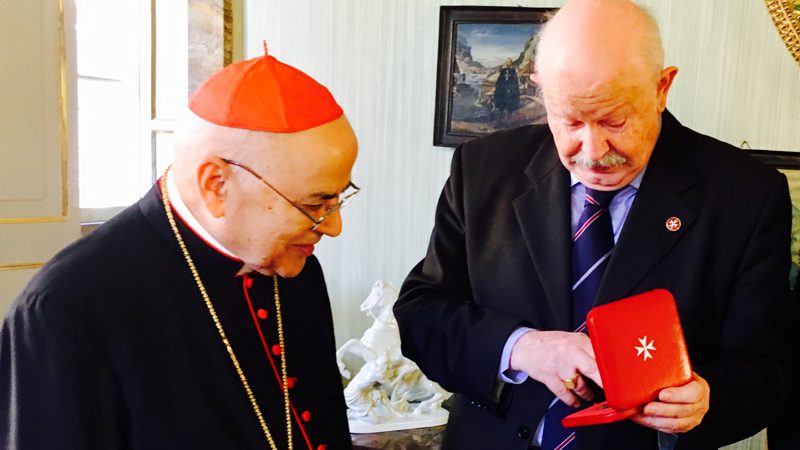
(639, 347)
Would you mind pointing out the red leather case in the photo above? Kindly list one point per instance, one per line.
(639, 346)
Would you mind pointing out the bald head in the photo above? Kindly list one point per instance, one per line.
(601, 36)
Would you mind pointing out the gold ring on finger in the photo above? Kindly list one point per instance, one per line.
(570, 383)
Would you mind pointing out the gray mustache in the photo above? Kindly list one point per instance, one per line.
(608, 161)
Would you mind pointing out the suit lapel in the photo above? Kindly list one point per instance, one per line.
(668, 190)
(543, 212)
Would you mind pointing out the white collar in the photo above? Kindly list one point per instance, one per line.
(191, 221)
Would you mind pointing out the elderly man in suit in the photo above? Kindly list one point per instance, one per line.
(492, 310)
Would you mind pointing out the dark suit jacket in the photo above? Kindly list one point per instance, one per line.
(499, 257)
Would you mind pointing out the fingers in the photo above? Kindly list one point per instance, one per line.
(579, 366)
(673, 410)
(670, 418)
(666, 425)
(551, 357)
(586, 365)
(583, 390)
(567, 396)
(680, 408)
(691, 392)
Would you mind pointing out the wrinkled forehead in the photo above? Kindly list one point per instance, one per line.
(594, 90)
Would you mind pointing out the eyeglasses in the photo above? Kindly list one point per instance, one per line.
(344, 197)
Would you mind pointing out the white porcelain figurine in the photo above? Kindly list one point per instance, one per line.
(389, 392)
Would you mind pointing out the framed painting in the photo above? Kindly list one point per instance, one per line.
(789, 164)
(483, 79)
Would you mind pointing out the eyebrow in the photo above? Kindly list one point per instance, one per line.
(327, 195)
(619, 108)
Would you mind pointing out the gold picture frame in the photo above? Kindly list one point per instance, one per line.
(786, 16)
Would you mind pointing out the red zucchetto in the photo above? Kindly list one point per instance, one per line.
(264, 94)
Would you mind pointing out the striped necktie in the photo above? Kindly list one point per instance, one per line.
(591, 249)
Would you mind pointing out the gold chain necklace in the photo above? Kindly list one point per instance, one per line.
(218, 325)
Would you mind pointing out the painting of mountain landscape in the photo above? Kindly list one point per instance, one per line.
(491, 86)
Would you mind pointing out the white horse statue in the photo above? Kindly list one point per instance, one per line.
(383, 336)
(389, 392)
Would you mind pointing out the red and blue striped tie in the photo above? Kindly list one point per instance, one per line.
(591, 250)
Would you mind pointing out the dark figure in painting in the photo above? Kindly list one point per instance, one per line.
(506, 91)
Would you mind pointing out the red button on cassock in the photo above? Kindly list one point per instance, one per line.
(262, 313)
(276, 349)
(306, 416)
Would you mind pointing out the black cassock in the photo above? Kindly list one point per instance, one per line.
(111, 346)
